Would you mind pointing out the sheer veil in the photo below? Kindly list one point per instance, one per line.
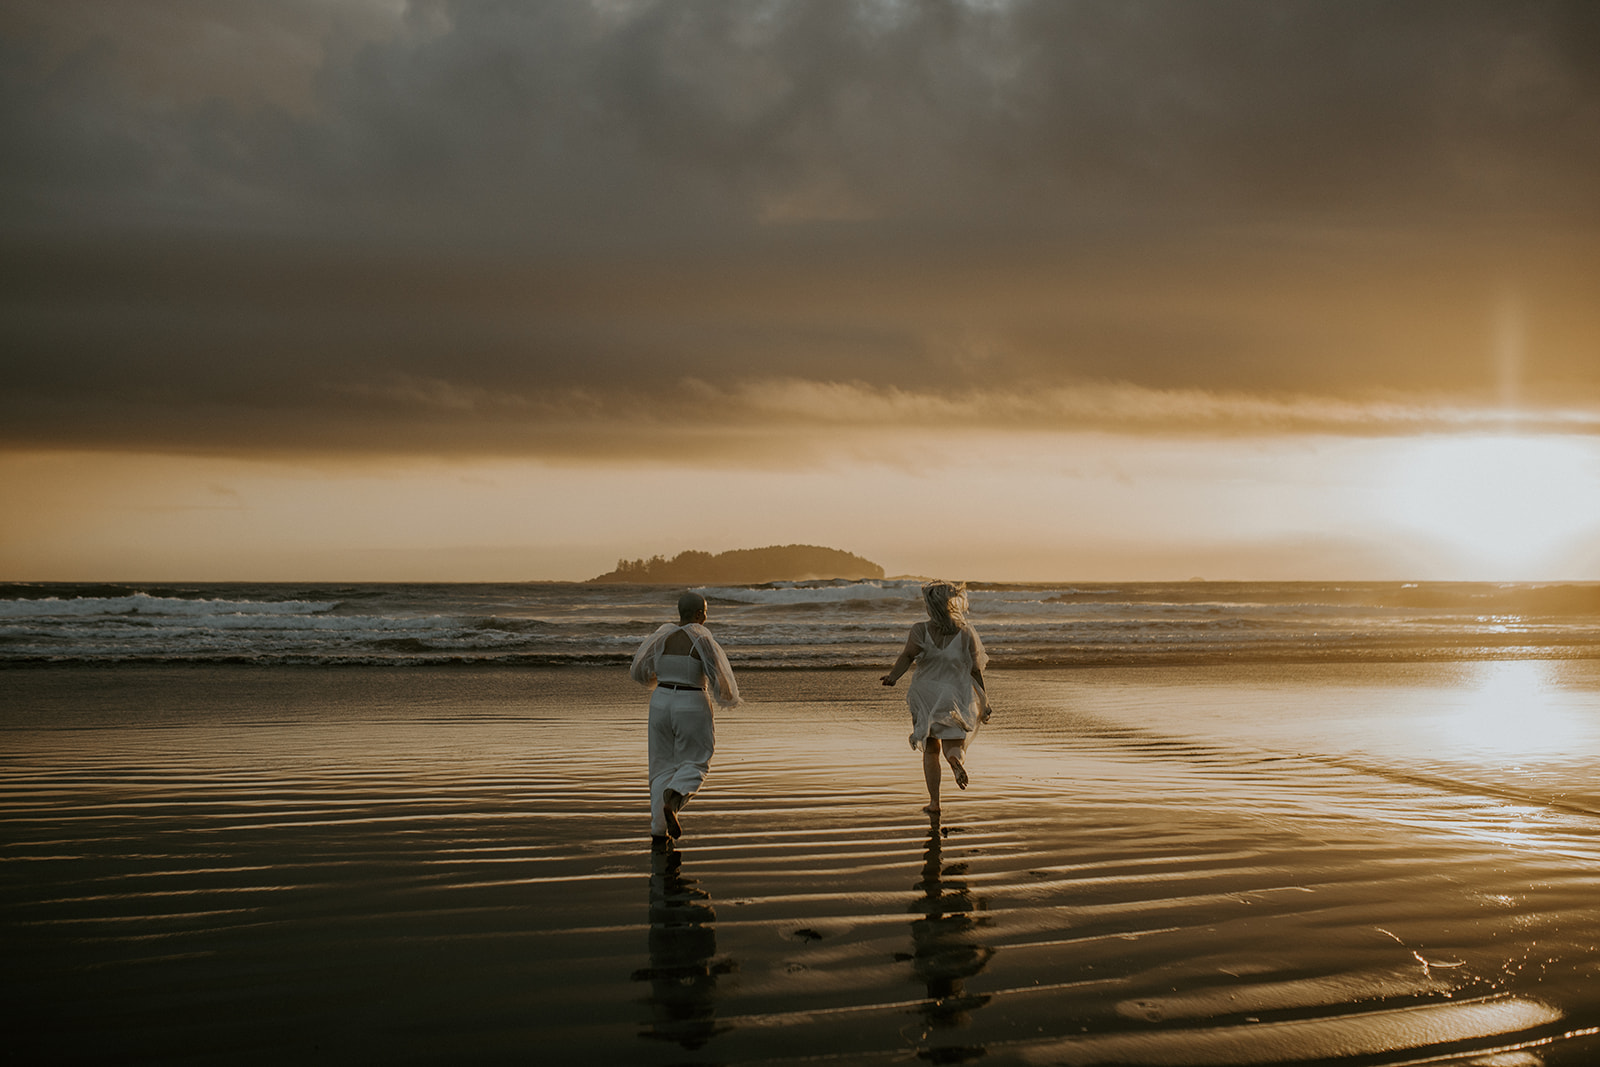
(724, 690)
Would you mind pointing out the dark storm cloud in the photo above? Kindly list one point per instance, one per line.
(481, 225)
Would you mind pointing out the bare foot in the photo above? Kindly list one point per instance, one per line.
(960, 773)
(931, 809)
(671, 801)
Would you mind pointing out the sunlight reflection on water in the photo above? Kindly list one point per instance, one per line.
(1512, 710)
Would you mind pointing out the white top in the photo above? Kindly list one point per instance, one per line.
(650, 666)
(680, 670)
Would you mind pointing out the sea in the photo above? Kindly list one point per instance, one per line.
(812, 624)
(1208, 824)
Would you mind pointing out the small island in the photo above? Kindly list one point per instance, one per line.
(745, 566)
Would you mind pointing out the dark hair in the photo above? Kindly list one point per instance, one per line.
(690, 604)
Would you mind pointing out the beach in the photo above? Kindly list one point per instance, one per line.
(1214, 385)
(1353, 863)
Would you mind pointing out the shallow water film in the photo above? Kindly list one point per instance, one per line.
(1353, 864)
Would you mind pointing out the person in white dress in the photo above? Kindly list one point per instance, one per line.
(946, 695)
(689, 670)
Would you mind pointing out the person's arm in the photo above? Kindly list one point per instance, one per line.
(975, 648)
(724, 690)
(643, 668)
(907, 656)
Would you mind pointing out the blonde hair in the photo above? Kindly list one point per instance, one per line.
(947, 605)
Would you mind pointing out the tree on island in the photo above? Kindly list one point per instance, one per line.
(745, 566)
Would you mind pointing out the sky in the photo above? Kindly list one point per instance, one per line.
(358, 290)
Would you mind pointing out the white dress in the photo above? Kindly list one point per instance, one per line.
(945, 702)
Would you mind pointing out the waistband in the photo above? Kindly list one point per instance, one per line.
(675, 685)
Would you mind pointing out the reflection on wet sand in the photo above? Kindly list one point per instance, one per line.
(945, 949)
(683, 945)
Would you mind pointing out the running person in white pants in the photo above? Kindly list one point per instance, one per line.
(680, 660)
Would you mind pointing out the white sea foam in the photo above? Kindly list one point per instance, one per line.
(144, 604)
(854, 624)
(785, 593)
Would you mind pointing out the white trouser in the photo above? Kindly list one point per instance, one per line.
(682, 737)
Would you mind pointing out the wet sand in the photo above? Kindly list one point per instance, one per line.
(1357, 864)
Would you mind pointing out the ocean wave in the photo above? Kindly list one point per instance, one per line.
(402, 651)
(222, 622)
(822, 624)
(782, 594)
(146, 604)
(1559, 599)
(513, 626)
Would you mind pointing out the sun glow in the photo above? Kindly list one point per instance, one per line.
(1516, 711)
(1509, 504)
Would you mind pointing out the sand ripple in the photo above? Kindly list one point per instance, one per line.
(427, 888)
